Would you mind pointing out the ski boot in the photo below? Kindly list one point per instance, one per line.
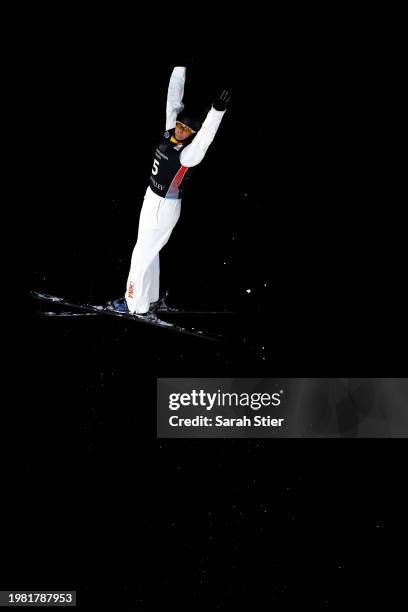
(120, 306)
(161, 303)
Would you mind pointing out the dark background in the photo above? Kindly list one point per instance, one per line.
(298, 196)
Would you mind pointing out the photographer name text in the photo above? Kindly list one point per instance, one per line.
(219, 421)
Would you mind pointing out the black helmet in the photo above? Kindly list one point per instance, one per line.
(192, 120)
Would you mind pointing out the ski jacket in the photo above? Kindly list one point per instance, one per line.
(173, 162)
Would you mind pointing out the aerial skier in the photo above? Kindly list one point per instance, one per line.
(183, 146)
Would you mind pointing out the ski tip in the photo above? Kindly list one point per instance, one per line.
(45, 296)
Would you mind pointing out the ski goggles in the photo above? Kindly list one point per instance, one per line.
(184, 127)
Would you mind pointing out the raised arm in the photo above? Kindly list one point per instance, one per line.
(194, 153)
(175, 96)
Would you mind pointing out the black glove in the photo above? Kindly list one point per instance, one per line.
(222, 101)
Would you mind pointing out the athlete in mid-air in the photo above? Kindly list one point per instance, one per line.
(183, 146)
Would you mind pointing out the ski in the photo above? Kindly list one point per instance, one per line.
(104, 310)
(169, 311)
(67, 314)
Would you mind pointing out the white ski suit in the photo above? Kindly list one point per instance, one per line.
(162, 201)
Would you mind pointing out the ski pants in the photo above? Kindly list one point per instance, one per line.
(157, 220)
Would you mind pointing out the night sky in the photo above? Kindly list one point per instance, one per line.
(292, 222)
